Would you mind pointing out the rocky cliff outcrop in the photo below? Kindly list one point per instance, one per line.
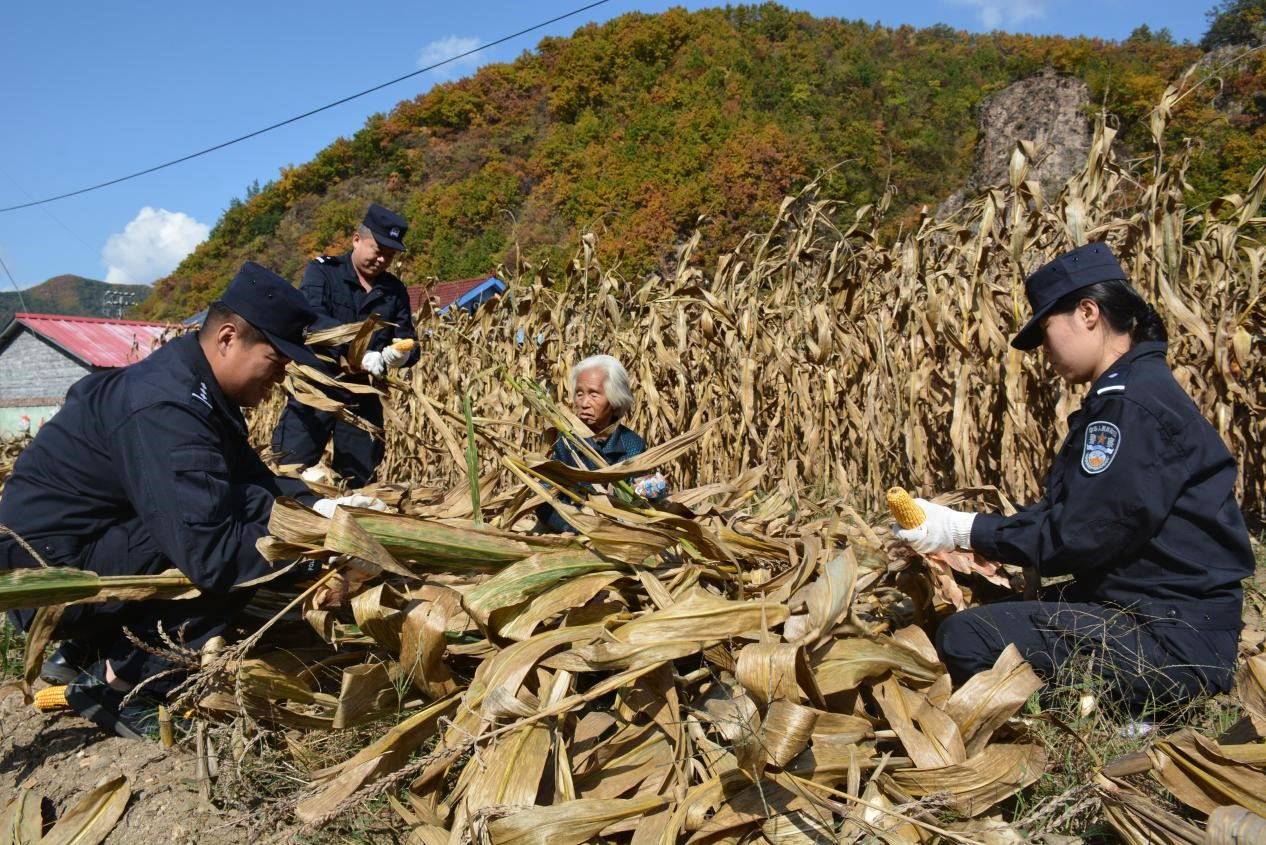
(1049, 109)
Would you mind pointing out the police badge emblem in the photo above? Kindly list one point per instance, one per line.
(1103, 439)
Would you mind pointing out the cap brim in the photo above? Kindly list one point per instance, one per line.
(383, 240)
(296, 352)
(1030, 337)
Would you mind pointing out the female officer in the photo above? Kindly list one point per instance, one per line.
(1139, 508)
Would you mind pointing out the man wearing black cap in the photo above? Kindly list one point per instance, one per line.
(346, 289)
(1139, 508)
(146, 468)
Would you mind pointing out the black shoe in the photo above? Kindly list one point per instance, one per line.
(71, 658)
(102, 705)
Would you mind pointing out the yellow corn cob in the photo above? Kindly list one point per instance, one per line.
(405, 345)
(51, 698)
(903, 508)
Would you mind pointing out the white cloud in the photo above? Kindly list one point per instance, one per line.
(996, 14)
(151, 245)
(445, 48)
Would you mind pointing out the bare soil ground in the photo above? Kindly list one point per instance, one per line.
(61, 757)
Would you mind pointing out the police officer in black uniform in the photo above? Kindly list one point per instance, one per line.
(346, 289)
(146, 468)
(1139, 509)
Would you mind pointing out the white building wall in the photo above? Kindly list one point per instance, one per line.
(32, 368)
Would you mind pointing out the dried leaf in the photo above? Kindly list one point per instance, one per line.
(93, 817)
(568, 824)
(702, 617)
(989, 698)
(21, 822)
(977, 784)
(375, 760)
(929, 735)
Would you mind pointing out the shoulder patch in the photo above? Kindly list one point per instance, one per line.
(326, 259)
(1103, 441)
(1112, 388)
(200, 393)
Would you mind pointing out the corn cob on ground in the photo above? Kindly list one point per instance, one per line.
(51, 698)
(903, 508)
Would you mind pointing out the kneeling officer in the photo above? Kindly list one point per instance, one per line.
(1139, 508)
(146, 468)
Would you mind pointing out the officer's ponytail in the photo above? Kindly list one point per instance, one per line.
(1147, 324)
(1124, 310)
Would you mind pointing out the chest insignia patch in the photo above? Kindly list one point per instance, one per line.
(1103, 440)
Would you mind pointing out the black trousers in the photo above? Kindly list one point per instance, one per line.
(303, 431)
(1145, 664)
(129, 549)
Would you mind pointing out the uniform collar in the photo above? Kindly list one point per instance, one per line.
(349, 269)
(1117, 373)
(190, 352)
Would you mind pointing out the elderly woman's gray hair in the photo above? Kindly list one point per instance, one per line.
(615, 385)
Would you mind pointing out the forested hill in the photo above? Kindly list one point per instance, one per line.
(641, 125)
(71, 295)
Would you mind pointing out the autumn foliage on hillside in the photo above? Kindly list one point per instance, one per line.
(641, 126)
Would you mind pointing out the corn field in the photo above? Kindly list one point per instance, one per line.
(845, 360)
(751, 660)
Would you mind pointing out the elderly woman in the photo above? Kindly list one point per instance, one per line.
(601, 397)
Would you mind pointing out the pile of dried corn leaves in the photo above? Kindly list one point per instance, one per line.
(700, 672)
(705, 671)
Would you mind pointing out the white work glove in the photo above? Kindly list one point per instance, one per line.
(393, 357)
(374, 364)
(326, 507)
(314, 473)
(944, 530)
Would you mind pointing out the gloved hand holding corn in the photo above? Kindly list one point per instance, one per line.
(392, 356)
(929, 528)
(397, 353)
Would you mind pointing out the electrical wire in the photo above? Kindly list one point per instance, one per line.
(306, 114)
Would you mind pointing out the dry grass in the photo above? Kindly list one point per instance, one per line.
(1079, 743)
(11, 650)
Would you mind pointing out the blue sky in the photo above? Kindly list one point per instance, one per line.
(96, 90)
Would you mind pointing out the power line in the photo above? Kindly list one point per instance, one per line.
(306, 114)
(66, 228)
(21, 298)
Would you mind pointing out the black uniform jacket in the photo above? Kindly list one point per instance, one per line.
(333, 289)
(1139, 503)
(156, 441)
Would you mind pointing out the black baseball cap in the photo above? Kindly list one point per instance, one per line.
(1083, 266)
(387, 226)
(271, 304)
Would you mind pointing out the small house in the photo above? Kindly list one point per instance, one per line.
(42, 355)
(467, 294)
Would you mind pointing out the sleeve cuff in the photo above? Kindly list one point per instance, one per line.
(984, 533)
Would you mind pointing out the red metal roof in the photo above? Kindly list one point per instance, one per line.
(97, 341)
(444, 293)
